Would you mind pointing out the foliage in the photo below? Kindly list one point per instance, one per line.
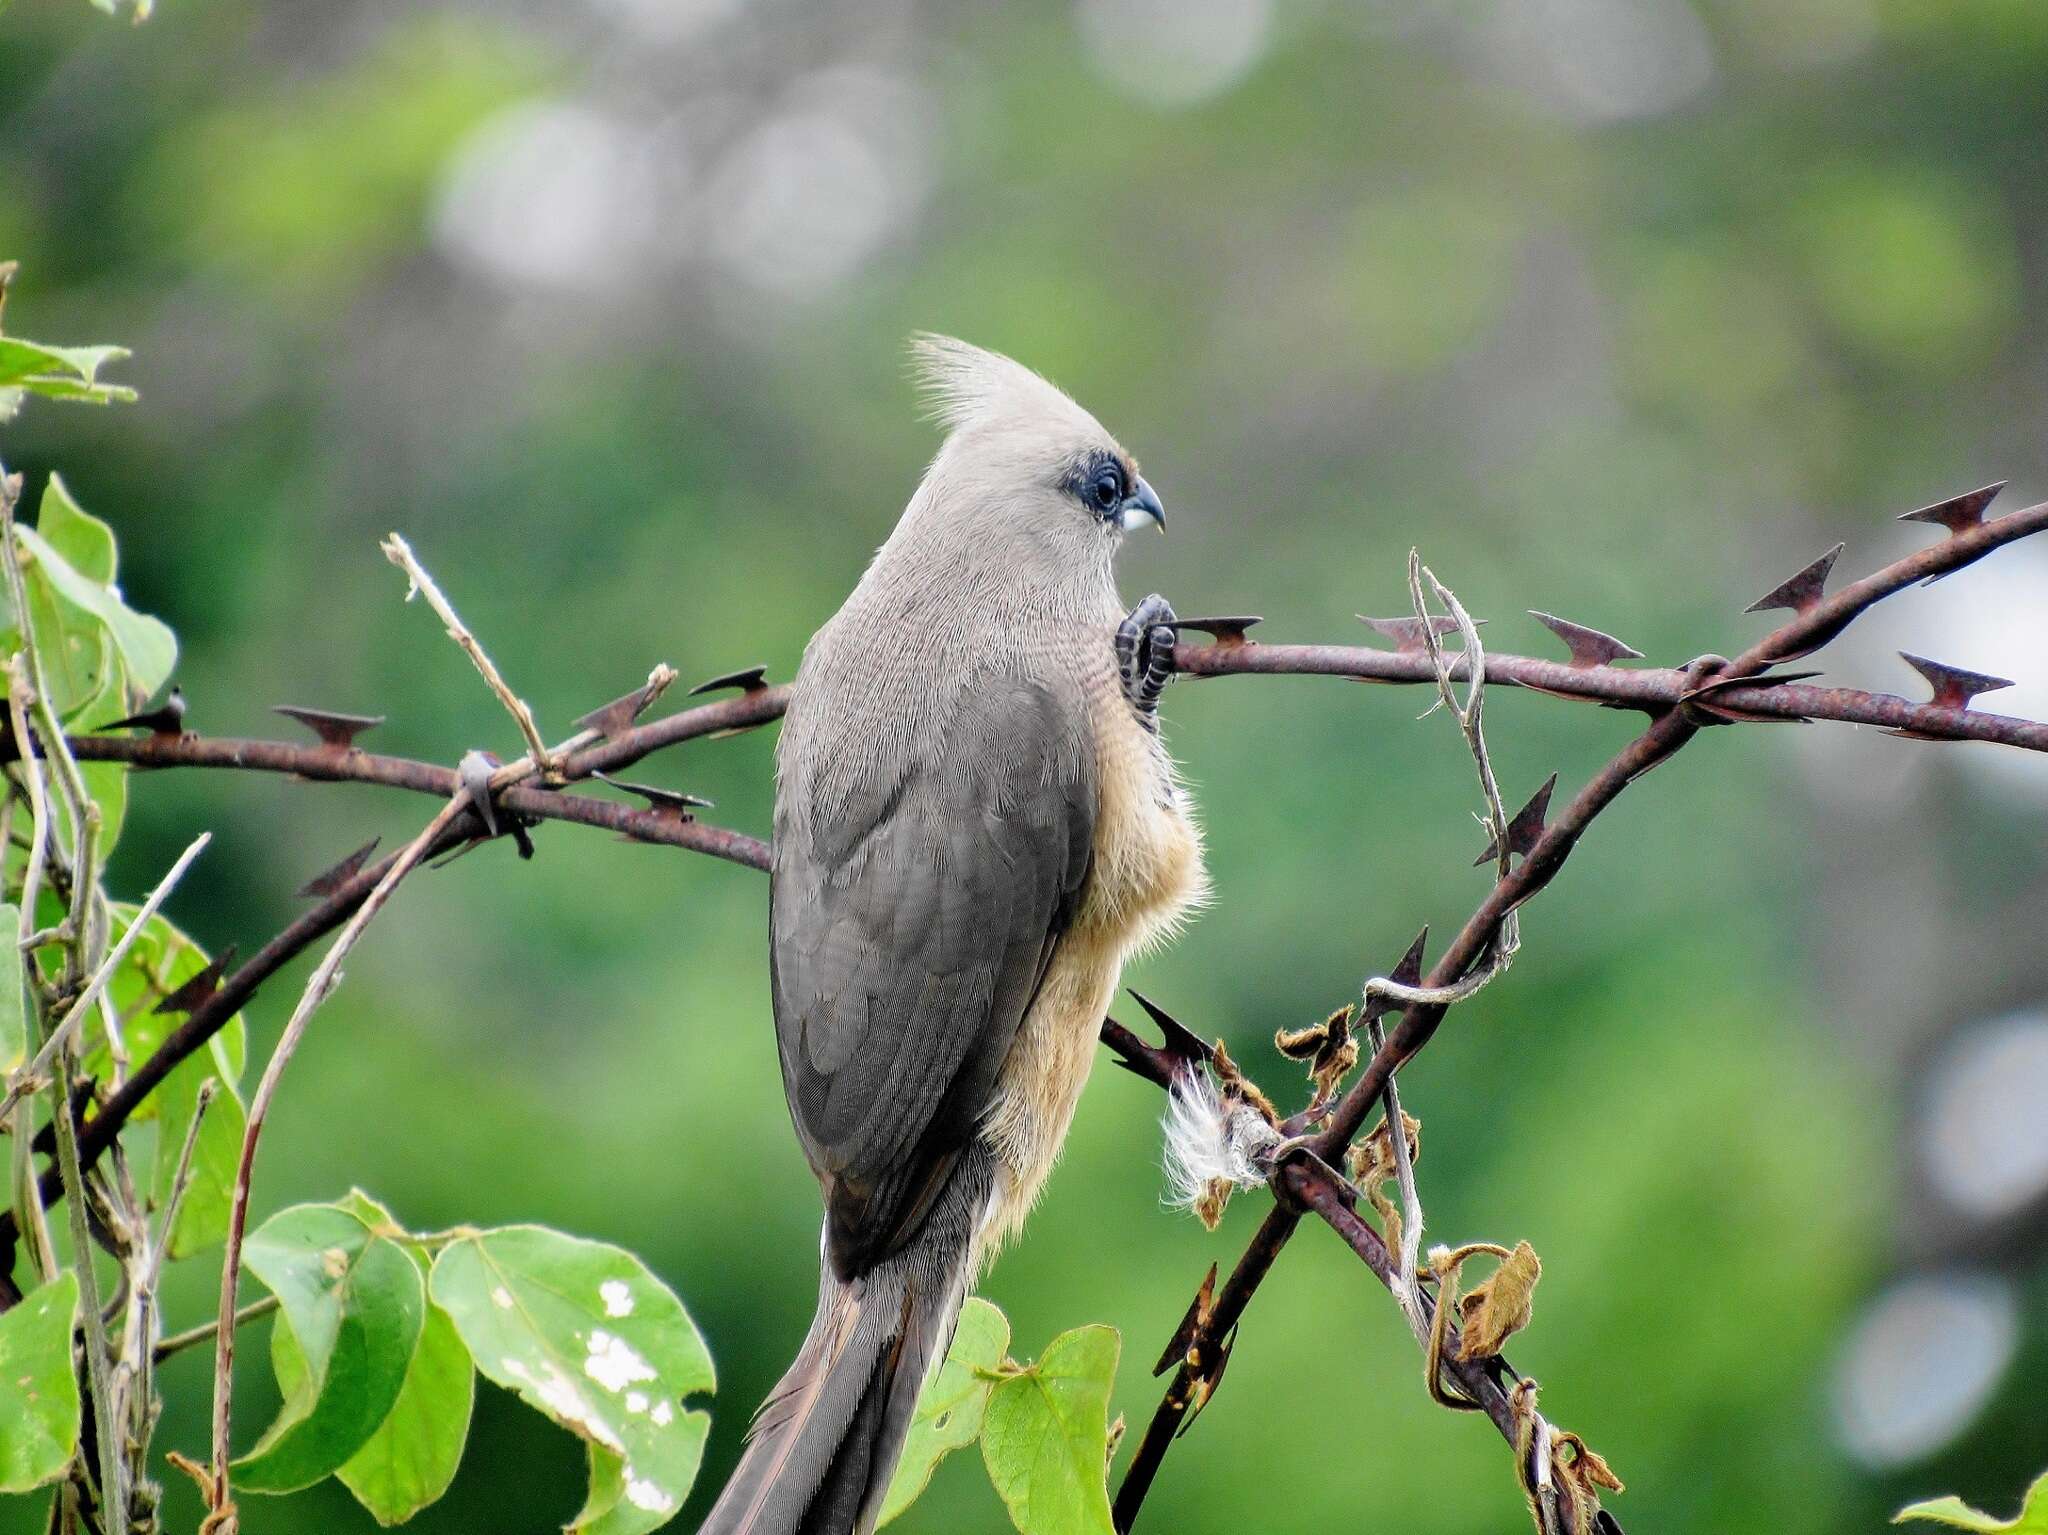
(1654, 369)
(2032, 1519)
(379, 1332)
(1043, 1427)
(38, 1387)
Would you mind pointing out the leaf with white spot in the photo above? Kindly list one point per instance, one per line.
(584, 1333)
(1045, 1436)
(353, 1304)
(38, 1387)
(949, 1411)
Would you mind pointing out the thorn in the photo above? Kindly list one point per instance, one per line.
(1184, 1335)
(1774, 680)
(1225, 631)
(750, 679)
(1527, 825)
(659, 798)
(195, 993)
(333, 878)
(336, 730)
(1406, 633)
(1953, 686)
(166, 719)
(1207, 1382)
(1802, 591)
(1589, 647)
(1180, 1040)
(615, 716)
(474, 771)
(1959, 513)
(1700, 698)
(1407, 973)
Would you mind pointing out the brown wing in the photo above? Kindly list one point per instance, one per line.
(921, 880)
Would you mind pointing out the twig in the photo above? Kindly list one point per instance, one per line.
(326, 976)
(27, 693)
(399, 552)
(29, 1213)
(1692, 696)
(181, 1180)
(1676, 723)
(178, 1342)
(61, 1035)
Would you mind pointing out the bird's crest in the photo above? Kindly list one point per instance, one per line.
(965, 386)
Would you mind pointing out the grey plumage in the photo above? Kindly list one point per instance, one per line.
(972, 829)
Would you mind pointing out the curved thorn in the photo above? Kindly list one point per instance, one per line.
(1589, 647)
(1801, 591)
(333, 728)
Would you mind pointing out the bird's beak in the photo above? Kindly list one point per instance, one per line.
(1140, 505)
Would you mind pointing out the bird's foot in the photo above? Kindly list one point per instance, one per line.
(1144, 656)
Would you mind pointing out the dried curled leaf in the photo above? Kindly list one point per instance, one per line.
(1371, 1164)
(1570, 1494)
(1371, 1161)
(1499, 1305)
(1328, 1048)
(1235, 1083)
(1585, 1463)
(1579, 1477)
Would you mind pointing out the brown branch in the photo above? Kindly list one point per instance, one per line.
(1681, 701)
(1818, 620)
(340, 764)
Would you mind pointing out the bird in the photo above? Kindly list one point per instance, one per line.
(976, 824)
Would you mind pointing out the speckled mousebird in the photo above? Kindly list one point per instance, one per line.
(976, 823)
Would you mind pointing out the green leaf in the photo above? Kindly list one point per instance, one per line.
(949, 1410)
(50, 369)
(106, 782)
(203, 1213)
(353, 1305)
(159, 962)
(2032, 1518)
(1045, 1436)
(146, 643)
(60, 372)
(85, 542)
(38, 1388)
(73, 647)
(584, 1333)
(410, 1460)
(13, 1025)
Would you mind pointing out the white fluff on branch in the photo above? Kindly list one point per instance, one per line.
(1211, 1139)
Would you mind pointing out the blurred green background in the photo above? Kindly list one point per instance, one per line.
(1621, 309)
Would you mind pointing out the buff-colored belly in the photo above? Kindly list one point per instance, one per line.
(1147, 874)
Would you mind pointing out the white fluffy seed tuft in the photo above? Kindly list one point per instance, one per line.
(1211, 1139)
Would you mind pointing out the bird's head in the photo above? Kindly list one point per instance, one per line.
(1023, 462)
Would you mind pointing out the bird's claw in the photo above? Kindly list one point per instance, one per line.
(1144, 656)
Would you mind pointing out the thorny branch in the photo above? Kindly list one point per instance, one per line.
(1679, 702)
(319, 986)
(1714, 692)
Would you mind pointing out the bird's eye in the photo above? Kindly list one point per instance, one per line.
(1108, 489)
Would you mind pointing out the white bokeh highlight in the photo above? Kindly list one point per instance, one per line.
(1983, 1135)
(1921, 1363)
(1174, 52)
